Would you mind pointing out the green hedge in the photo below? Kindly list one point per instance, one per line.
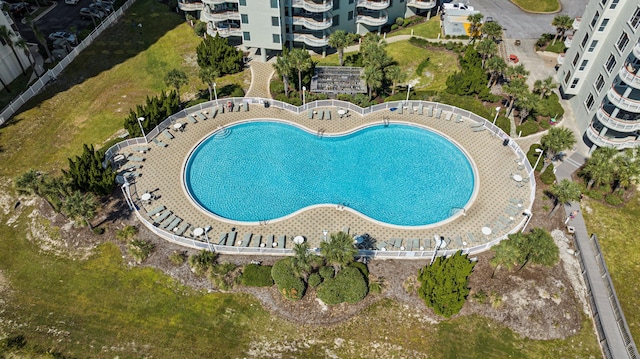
(257, 276)
(362, 267)
(549, 106)
(327, 272)
(547, 176)
(532, 156)
(528, 128)
(291, 286)
(348, 286)
(314, 280)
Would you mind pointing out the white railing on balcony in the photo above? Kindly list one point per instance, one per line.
(371, 20)
(311, 23)
(373, 5)
(603, 141)
(616, 123)
(219, 2)
(221, 16)
(313, 6)
(309, 39)
(576, 23)
(568, 40)
(190, 6)
(629, 75)
(622, 102)
(420, 4)
(223, 32)
(636, 51)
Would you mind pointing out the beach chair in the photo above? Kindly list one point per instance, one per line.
(478, 129)
(400, 109)
(327, 115)
(176, 221)
(245, 106)
(135, 159)
(438, 113)
(131, 167)
(246, 239)
(200, 116)
(183, 228)
(231, 238)
(320, 115)
(214, 112)
(162, 217)
(472, 239)
(511, 210)
(381, 245)
(269, 241)
(192, 118)
(223, 238)
(237, 107)
(167, 134)
(282, 241)
(458, 240)
(398, 243)
(310, 115)
(130, 175)
(156, 210)
(345, 229)
(506, 221)
(141, 149)
(256, 240)
(159, 143)
(430, 111)
(428, 243)
(516, 201)
(416, 244)
(410, 244)
(447, 117)
(167, 222)
(420, 111)
(476, 125)
(459, 118)
(410, 108)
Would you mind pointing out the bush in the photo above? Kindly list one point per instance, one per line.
(558, 47)
(348, 286)
(421, 66)
(613, 199)
(98, 230)
(545, 125)
(177, 258)
(399, 21)
(290, 285)
(276, 87)
(549, 106)
(394, 27)
(126, 233)
(140, 250)
(314, 280)
(220, 275)
(327, 272)
(201, 262)
(532, 156)
(547, 176)
(528, 128)
(361, 267)
(200, 28)
(257, 276)
(406, 23)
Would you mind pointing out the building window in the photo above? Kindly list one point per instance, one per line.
(336, 5)
(275, 21)
(274, 4)
(350, 15)
(276, 38)
(603, 2)
(614, 3)
(243, 2)
(593, 21)
(611, 63)
(635, 19)
(589, 102)
(603, 24)
(622, 41)
(593, 45)
(566, 78)
(244, 18)
(599, 83)
(350, 1)
(336, 19)
(584, 40)
(583, 65)
(574, 83)
(246, 36)
(575, 60)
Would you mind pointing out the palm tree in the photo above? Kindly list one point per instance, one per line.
(373, 78)
(208, 75)
(338, 251)
(475, 23)
(303, 260)
(600, 168)
(517, 72)
(395, 74)
(486, 48)
(516, 89)
(525, 104)
(492, 30)
(7, 35)
(544, 87)
(562, 23)
(339, 40)
(283, 68)
(538, 247)
(564, 192)
(370, 38)
(38, 35)
(176, 78)
(506, 254)
(82, 206)
(29, 183)
(301, 61)
(556, 140)
(496, 67)
(627, 168)
(21, 44)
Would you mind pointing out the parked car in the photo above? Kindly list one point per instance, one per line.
(71, 2)
(108, 2)
(101, 7)
(71, 38)
(19, 9)
(87, 13)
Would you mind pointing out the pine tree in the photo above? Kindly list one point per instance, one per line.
(87, 174)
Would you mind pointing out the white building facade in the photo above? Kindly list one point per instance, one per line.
(9, 66)
(276, 24)
(600, 75)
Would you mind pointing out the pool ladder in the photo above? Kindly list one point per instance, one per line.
(321, 132)
(385, 121)
(222, 132)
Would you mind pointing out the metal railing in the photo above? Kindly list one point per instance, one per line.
(53, 73)
(198, 244)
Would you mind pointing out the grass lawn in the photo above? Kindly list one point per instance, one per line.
(538, 5)
(18, 85)
(617, 233)
(429, 29)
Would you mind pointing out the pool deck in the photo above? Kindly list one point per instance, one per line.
(161, 173)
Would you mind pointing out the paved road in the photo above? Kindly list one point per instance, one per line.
(522, 25)
(61, 17)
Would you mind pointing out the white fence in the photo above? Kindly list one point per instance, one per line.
(199, 244)
(53, 73)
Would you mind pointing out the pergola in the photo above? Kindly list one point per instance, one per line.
(338, 80)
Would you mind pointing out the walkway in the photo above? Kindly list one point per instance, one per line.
(261, 73)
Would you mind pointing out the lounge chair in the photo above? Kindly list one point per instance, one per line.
(472, 239)
(310, 115)
(167, 222)
(231, 238)
(459, 118)
(245, 106)
(320, 115)
(420, 111)
(135, 159)
(269, 240)
(141, 149)
(398, 243)
(156, 210)
(410, 108)
(459, 240)
(131, 167)
(282, 241)
(504, 220)
(416, 244)
(256, 240)
(221, 108)
(223, 238)
(478, 129)
(246, 239)
(192, 118)
(512, 211)
(345, 229)
(159, 143)
(174, 223)
(183, 228)
(447, 117)
(162, 217)
(430, 111)
(167, 134)
(428, 243)
(214, 112)
(410, 243)
(438, 113)
(201, 116)
(327, 115)
(237, 107)
(130, 175)
(400, 109)
(476, 124)
(381, 245)
(516, 201)
(519, 184)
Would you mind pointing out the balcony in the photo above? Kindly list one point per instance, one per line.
(219, 2)
(420, 4)
(629, 75)
(190, 6)
(312, 6)
(373, 5)
(576, 23)
(603, 141)
(223, 30)
(309, 39)
(221, 16)
(616, 123)
(621, 102)
(568, 40)
(311, 23)
(372, 19)
(636, 51)
(560, 59)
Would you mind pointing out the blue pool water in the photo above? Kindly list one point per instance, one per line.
(399, 174)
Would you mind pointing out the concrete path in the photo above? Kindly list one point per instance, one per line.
(261, 73)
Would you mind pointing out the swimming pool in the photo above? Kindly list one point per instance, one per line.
(262, 170)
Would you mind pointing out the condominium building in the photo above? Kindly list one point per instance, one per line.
(276, 24)
(600, 76)
(9, 66)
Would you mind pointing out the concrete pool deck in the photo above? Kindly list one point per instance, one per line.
(162, 170)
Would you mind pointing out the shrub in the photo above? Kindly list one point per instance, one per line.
(361, 267)
(201, 262)
(290, 285)
(421, 66)
(613, 199)
(376, 285)
(140, 250)
(314, 280)
(547, 176)
(545, 125)
(257, 276)
(528, 128)
(532, 156)
(98, 230)
(276, 87)
(126, 233)
(406, 22)
(558, 47)
(348, 286)
(327, 272)
(399, 21)
(394, 27)
(200, 28)
(177, 258)
(549, 106)
(220, 275)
